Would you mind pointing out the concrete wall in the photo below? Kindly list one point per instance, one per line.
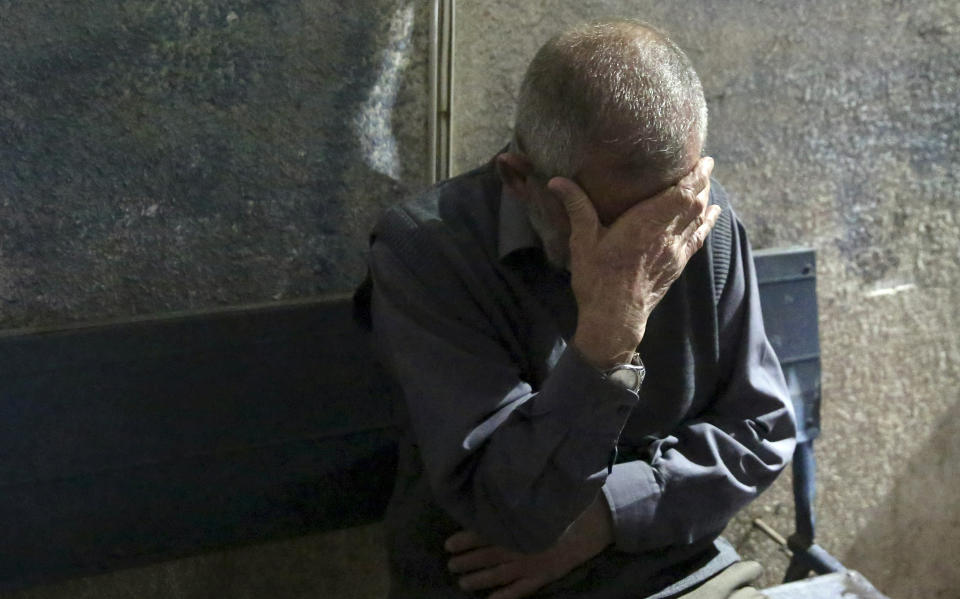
(182, 153)
(164, 155)
(834, 125)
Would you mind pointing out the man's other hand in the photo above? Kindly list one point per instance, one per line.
(619, 273)
(513, 574)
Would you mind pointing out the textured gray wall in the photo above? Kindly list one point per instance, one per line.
(160, 155)
(834, 125)
(167, 155)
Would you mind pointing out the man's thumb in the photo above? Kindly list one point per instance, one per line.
(577, 203)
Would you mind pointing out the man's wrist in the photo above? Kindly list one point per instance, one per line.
(628, 375)
(603, 352)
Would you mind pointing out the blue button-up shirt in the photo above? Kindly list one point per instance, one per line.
(507, 431)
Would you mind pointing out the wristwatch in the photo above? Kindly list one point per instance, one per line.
(629, 375)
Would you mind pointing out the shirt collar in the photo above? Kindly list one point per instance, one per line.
(515, 231)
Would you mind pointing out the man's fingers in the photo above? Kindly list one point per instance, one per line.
(674, 208)
(694, 190)
(484, 557)
(583, 216)
(699, 177)
(697, 231)
(496, 576)
(713, 213)
(463, 541)
(519, 588)
(698, 221)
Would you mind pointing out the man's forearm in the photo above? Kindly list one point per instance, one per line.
(697, 476)
(484, 566)
(513, 464)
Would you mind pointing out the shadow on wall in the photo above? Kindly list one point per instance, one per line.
(174, 156)
(918, 518)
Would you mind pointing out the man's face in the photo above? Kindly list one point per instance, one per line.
(612, 182)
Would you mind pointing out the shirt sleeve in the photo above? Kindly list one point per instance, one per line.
(515, 465)
(695, 479)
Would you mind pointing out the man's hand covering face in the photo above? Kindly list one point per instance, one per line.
(620, 273)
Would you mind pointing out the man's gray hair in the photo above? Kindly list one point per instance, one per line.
(621, 84)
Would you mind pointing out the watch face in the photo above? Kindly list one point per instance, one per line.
(627, 377)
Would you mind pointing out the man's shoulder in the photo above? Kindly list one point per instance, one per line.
(720, 241)
(435, 236)
(470, 196)
(460, 210)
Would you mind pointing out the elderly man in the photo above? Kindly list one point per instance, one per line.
(589, 396)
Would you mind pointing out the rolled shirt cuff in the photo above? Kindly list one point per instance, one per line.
(632, 493)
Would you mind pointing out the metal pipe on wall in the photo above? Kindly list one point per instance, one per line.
(441, 88)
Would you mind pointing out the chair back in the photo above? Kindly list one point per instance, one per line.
(788, 296)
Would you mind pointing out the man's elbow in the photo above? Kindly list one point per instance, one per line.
(784, 434)
(777, 431)
(784, 450)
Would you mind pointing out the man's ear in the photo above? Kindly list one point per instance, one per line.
(515, 170)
